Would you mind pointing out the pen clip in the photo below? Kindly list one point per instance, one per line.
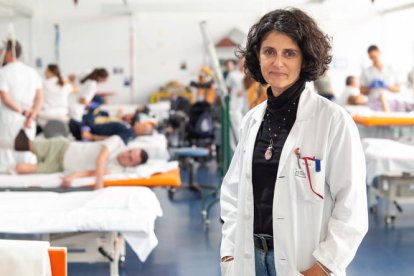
(297, 153)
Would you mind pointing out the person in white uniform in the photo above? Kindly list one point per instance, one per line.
(88, 87)
(235, 84)
(293, 200)
(56, 95)
(21, 99)
(378, 79)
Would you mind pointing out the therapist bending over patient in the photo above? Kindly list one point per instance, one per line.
(88, 87)
(77, 159)
(293, 201)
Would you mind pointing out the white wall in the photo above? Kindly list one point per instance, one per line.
(163, 40)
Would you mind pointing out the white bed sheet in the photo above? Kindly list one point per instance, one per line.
(54, 180)
(129, 210)
(385, 156)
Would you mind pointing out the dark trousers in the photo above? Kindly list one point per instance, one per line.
(108, 129)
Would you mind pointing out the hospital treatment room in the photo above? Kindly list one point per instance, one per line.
(206, 137)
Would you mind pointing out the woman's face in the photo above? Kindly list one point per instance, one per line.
(280, 61)
(102, 80)
(48, 74)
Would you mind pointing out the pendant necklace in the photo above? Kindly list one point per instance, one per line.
(269, 150)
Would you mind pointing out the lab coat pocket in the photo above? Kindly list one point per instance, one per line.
(226, 268)
(310, 180)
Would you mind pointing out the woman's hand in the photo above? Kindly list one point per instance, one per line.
(30, 116)
(315, 270)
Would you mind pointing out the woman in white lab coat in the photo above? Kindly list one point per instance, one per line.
(293, 201)
(21, 97)
(87, 90)
(56, 96)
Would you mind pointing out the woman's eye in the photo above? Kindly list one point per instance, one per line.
(268, 52)
(290, 53)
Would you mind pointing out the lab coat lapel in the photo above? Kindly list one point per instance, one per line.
(254, 124)
(305, 112)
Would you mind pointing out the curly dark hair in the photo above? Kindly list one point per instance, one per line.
(301, 28)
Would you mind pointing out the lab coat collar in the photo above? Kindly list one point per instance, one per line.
(306, 108)
(307, 105)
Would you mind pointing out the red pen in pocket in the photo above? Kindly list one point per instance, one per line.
(317, 169)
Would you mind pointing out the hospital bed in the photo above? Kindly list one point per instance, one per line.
(393, 119)
(156, 173)
(390, 174)
(377, 124)
(91, 224)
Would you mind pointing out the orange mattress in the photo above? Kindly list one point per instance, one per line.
(167, 179)
(384, 121)
(58, 261)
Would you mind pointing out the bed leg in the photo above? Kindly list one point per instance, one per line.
(114, 267)
(119, 253)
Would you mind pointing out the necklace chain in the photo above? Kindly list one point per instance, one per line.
(275, 135)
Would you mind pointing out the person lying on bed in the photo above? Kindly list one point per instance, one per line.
(102, 131)
(102, 116)
(77, 159)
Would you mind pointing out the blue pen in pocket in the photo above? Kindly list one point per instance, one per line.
(317, 165)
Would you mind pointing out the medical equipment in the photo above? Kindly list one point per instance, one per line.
(392, 164)
(189, 156)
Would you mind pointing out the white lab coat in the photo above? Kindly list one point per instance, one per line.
(21, 82)
(306, 228)
(87, 91)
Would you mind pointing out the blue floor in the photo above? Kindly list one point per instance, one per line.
(187, 249)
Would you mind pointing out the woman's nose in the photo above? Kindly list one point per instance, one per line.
(278, 62)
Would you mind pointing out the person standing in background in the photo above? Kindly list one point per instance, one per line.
(228, 68)
(80, 101)
(378, 78)
(255, 92)
(56, 95)
(21, 99)
(410, 81)
(235, 85)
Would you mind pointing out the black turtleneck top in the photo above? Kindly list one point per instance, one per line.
(279, 117)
